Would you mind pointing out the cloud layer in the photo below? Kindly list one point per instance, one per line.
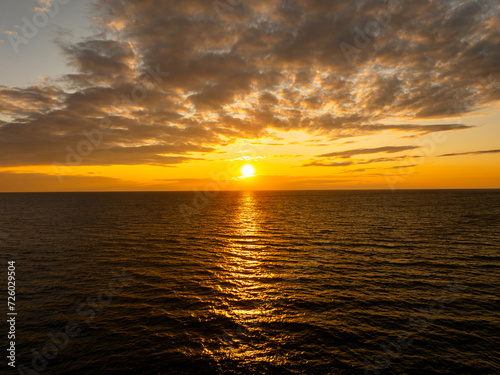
(177, 79)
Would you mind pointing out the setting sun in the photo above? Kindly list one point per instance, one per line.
(247, 170)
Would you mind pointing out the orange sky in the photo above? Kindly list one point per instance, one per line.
(181, 95)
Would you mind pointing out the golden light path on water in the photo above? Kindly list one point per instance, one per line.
(253, 289)
(261, 282)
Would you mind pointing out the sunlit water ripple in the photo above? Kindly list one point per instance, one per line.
(258, 282)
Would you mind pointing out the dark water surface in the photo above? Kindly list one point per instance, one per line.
(256, 283)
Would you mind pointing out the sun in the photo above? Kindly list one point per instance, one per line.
(247, 170)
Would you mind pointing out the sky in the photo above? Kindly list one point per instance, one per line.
(108, 95)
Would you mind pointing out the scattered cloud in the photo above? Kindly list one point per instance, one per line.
(178, 82)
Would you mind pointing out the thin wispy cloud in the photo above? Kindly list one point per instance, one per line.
(327, 163)
(364, 151)
(331, 164)
(473, 153)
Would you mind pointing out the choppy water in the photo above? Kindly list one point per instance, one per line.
(257, 282)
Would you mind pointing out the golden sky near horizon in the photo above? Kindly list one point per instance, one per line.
(289, 94)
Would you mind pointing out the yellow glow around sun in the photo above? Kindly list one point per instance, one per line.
(247, 170)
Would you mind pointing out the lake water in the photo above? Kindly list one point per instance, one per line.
(323, 282)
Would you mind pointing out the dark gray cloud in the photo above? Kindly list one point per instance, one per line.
(180, 79)
(419, 129)
(364, 151)
(329, 164)
(95, 57)
(473, 153)
(404, 166)
(326, 162)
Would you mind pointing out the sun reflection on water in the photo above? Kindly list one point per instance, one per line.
(244, 248)
(243, 282)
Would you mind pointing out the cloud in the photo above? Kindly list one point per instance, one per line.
(178, 79)
(96, 57)
(326, 163)
(44, 5)
(473, 153)
(332, 164)
(404, 166)
(363, 151)
(421, 129)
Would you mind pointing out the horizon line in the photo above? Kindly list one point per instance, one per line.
(240, 190)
